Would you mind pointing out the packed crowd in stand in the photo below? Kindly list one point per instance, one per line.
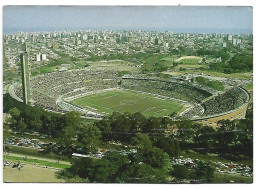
(196, 110)
(45, 101)
(206, 88)
(46, 89)
(230, 100)
(222, 103)
(166, 88)
(57, 84)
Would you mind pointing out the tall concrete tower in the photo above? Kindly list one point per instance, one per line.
(25, 69)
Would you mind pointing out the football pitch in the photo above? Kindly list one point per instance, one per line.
(120, 100)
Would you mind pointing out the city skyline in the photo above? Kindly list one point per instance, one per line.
(186, 19)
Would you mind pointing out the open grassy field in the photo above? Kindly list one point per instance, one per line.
(49, 163)
(31, 174)
(35, 153)
(128, 101)
(189, 60)
(249, 87)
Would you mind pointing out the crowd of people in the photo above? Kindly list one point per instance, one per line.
(225, 102)
(46, 89)
(59, 83)
(194, 111)
(229, 100)
(166, 88)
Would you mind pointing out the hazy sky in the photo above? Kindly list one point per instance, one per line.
(221, 19)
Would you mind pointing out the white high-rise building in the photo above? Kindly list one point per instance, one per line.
(38, 57)
(230, 37)
(84, 37)
(234, 41)
(43, 57)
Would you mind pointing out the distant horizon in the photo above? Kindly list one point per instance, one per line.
(179, 19)
(16, 30)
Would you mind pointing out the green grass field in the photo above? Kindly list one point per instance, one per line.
(189, 60)
(53, 164)
(128, 101)
(249, 87)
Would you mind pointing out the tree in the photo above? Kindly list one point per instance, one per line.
(89, 137)
(110, 167)
(66, 136)
(244, 144)
(180, 172)
(138, 121)
(142, 142)
(71, 119)
(15, 117)
(204, 139)
(21, 126)
(15, 113)
(203, 171)
(32, 117)
(120, 126)
(155, 127)
(185, 130)
(69, 126)
(105, 128)
(157, 158)
(226, 136)
(143, 173)
(169, 145)
(83, 168)
(102, 172)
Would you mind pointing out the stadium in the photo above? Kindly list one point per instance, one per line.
(96, 92)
